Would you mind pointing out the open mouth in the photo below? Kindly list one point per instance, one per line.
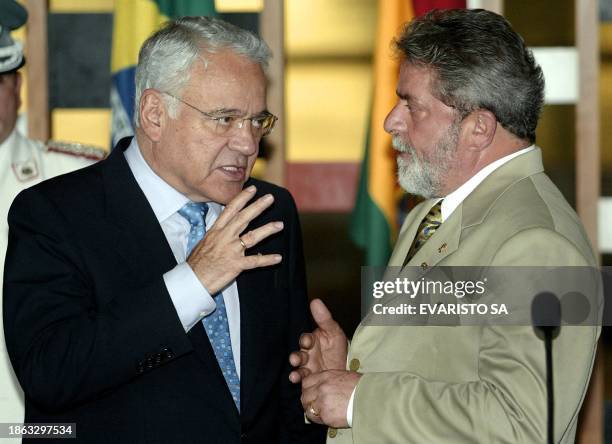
(233, 172)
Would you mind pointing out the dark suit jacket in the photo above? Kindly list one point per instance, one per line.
(94, 337)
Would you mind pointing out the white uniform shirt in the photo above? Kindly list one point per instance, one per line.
(23, 162)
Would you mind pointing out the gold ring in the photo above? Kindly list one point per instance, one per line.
(242, 243)
(312, 410)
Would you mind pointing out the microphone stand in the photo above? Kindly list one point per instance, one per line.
(548, 338)
(546, 316)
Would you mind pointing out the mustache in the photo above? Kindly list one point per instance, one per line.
(401, 146)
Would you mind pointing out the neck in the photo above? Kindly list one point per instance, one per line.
(470, 163)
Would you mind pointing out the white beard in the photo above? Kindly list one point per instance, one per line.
(426, 176)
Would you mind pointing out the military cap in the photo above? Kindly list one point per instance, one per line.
(12, 16)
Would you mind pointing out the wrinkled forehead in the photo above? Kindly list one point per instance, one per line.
(416, 80)
(228, 79)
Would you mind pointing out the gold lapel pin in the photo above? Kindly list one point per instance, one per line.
(442, 248)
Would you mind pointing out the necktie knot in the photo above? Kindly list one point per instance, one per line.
(195, 213)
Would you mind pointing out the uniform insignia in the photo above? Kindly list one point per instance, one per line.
(91, 152)
(26, 170)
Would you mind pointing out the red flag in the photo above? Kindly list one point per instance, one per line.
(423, 6)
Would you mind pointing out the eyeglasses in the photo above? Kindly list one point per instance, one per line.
(261, 125)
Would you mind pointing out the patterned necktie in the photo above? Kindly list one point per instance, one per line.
(215, 324)
(428, 227)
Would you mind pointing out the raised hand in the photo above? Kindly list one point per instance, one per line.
(323, 349)
(219, 258)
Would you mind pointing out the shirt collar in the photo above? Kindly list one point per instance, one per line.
(454, 199)
(164, 199)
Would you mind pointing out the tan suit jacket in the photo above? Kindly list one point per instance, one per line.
(476, 384)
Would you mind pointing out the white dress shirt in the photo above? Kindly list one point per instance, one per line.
(191, 300)
(450, 204)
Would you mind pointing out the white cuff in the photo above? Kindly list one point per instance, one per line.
(349, 409)
(191, 300)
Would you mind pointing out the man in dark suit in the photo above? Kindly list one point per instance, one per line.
(120, 316)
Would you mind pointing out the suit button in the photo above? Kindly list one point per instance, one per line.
(424, 265)
(332, 432)
(243, 436)
(168, 352)
(354, 365)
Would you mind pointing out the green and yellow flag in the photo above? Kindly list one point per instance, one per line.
(374, 219)
(134, 21)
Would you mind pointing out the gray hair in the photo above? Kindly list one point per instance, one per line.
(479, 62)
(166, 57)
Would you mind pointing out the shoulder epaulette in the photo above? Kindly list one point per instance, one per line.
(76, 149)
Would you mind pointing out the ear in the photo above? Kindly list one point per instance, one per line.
(481, 127)
(152, 114)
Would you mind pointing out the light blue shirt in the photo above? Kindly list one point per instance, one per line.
(191, 300)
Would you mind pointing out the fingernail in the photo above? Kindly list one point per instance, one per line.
(268, 198)
(278, 257)
(251, 188)
(279, 225)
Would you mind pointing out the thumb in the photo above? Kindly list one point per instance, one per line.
(322, 316)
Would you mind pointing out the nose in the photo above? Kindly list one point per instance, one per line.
(243, 140)
(395, 122)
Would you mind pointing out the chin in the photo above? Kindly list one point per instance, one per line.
(223, 194)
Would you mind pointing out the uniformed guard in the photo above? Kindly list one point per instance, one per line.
(23, 163)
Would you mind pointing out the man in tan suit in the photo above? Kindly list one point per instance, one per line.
(469, 98)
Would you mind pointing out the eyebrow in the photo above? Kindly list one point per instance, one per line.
(235, 111)
(405, 96)
(226, 111)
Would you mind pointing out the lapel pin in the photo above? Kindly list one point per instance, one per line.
(442, 248)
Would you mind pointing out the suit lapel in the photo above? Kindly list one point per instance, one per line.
(441, 244)
(139, 237)
(206, 354)
(252, 337)
(142, 243)
(472, 211)
(408, 232)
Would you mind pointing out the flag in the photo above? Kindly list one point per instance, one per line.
(374, 219)
(374, 222)
(134, 21)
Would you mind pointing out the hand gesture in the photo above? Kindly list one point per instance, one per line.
(323, 349)
(219, 258)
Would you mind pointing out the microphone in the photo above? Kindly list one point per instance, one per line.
(546, 317)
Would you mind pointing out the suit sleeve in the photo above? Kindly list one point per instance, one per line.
(507, 402)
(66, 347)
(293, 428)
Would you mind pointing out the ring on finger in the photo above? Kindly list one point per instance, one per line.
(312, 410)
(242, 243)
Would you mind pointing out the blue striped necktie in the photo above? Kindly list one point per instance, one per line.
(215, 324)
